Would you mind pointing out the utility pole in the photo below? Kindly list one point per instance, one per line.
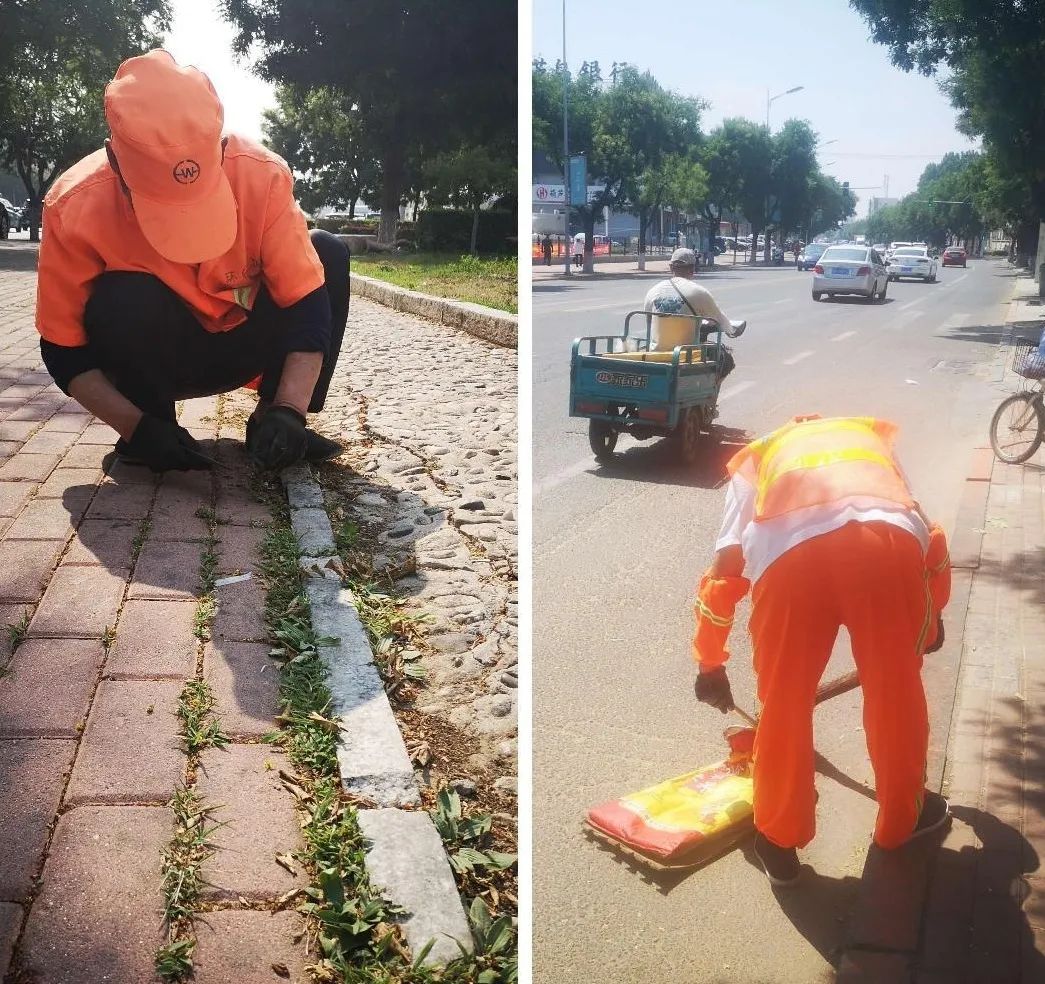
(566, 141)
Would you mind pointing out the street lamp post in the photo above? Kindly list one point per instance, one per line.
(769, 102)
(565, 142)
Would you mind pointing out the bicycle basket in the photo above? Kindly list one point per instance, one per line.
(1026, 361)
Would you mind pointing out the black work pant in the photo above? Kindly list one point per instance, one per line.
(149, 343)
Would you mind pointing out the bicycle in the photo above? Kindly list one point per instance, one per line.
(1018, 425)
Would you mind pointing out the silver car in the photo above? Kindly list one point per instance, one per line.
(850, 270)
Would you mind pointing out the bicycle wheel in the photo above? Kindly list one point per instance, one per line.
(1017, 427)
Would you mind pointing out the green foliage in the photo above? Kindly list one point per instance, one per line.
(450, 231)
(57, 57)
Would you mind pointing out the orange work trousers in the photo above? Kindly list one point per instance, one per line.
(869, 577)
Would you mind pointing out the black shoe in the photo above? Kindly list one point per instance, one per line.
(781, 864)
(124, 456)
(935, 813)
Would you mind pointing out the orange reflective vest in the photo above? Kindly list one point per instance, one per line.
(820, 461)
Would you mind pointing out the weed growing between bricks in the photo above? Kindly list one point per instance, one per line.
(351, 924)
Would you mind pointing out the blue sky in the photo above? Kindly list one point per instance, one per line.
(728, 52)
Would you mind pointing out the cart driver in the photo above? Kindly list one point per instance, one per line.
(681, 295)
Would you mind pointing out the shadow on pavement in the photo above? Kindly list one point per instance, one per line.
(657, 461)
(18, 256)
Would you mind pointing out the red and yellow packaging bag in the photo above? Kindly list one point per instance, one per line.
(670, 823)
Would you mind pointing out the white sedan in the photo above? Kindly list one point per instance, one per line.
(912, 261)
(850, 270)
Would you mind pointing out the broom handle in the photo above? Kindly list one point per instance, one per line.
(833, 688)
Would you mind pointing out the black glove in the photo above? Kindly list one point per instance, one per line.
(938, 641)
(164, 446)
(280, 439)
(713, 688)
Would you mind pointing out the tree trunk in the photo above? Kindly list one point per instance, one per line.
(643, 222)
(589, 240)
(352, 209)
(391, 192)
(475, 230)
(755, 233)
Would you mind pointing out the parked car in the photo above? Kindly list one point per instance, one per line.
(850, 270)
(880, 248)
(913, 262)
(955, 256)
(809, 256)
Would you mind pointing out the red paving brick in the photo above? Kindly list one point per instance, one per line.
(80, 602)
(14, 495)
(98, 917)
(239, 549)
(154, 639)
(47, 519)
(108, 542)
(121, 502)
(17, 430)
(242, 946)
(10, 924)
(32, 774)
(99, 433)
(260, 822)
(245, 684)
(49, 442)
(86, 456)
(236, 505)
(25, 568)
(174, 514)
(67, 422)
(78, 481)
(130, 751)
(240, 615)
(167, 570)
(47, 687)
(31, 467)
(123, 474)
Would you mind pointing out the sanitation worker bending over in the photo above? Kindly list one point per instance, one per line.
(820, 520)
(175, 263)
(680, 296)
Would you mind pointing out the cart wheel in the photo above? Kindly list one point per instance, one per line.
(602, 436)
(816, 295)
(690, 439)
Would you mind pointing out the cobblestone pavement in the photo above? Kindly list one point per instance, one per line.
(100, 571)
(429, 416)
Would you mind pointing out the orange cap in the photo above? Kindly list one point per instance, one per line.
(166, 126)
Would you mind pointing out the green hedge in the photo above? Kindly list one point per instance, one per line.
(448, 231)
(359, 227)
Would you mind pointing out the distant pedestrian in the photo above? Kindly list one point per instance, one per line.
(546, 248)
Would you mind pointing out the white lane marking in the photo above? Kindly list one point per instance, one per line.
(843, 336)
(798, 358)
(562, 475)
(911, 304)
(957, 280)
(730, 391)
(783, 300)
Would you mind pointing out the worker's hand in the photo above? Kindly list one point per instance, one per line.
(280, 439)
(712, 687)
(938, 641)
(164, 446)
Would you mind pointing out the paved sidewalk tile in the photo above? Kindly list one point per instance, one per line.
(25, 568)
(240, 615)
(86, 456)
(105, 542)
(28, 467)
(154, 639)
(14, 495)
(239, 549)
(130, 751)
(181, 505)
(10, 923)
(49, 442)
(11, 616)
(47, 687)
(121, 502)
(48, 519)
(260, 819)
(245, 683)
(32, 775)
(71, 483)
(243, 946)
(98, 918)
(167, 571)
(80, 602)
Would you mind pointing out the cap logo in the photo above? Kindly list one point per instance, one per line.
(186, 171)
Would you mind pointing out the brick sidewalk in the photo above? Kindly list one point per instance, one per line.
(100, 571)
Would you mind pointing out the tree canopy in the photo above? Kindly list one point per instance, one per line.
(424, 76)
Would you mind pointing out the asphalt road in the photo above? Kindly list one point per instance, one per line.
(618, 550)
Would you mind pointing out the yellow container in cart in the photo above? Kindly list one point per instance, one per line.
(683, 821)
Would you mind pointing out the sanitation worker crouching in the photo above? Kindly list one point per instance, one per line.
(820, 520)
(176, 264)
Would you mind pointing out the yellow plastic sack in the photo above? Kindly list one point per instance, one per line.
(678, 820)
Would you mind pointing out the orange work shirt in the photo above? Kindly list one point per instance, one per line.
(90, 229)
